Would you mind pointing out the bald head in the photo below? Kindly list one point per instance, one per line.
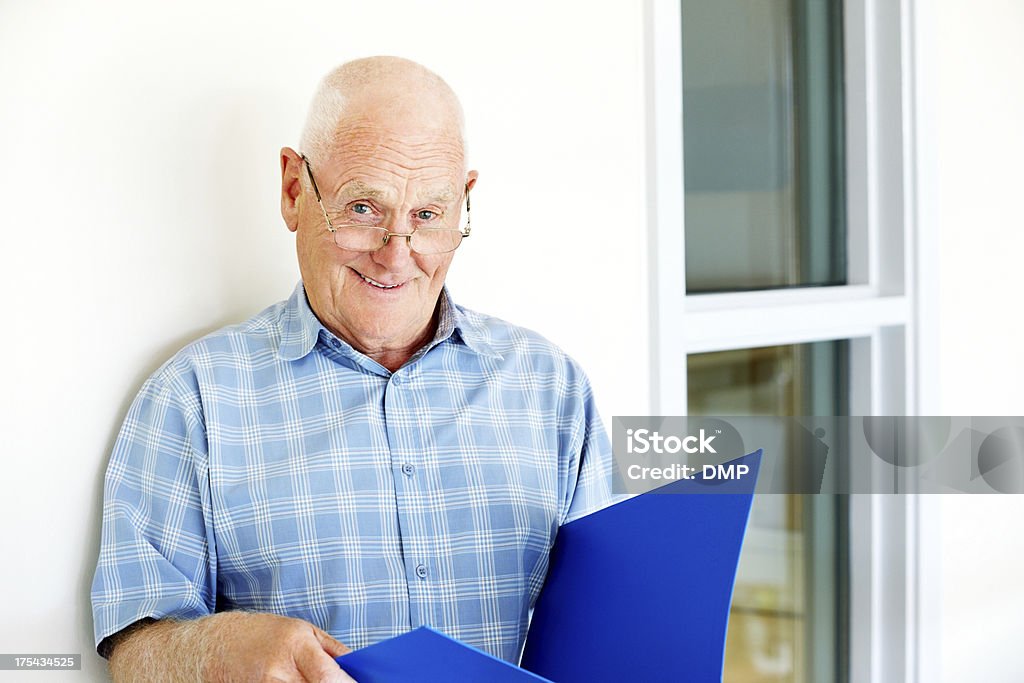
(387, 91)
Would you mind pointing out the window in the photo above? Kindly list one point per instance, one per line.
(792, 576)
(781, 225)
(762, 98)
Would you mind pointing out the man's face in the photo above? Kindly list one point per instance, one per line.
(392, 173)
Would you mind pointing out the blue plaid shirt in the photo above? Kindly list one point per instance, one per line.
(270, 466)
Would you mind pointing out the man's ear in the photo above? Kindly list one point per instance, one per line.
(471, 179)
(291, 187)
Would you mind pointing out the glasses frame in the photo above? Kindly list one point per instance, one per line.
(463, 232)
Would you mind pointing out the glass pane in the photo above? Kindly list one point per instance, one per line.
(787, 623)
(763, 144)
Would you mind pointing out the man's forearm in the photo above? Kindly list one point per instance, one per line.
(229, 646)
(165, 651)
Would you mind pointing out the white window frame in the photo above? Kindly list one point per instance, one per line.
(878, 310)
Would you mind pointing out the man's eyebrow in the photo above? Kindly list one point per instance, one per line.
(442, 194)
(358, 189)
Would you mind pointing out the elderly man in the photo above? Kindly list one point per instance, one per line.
(361, 459)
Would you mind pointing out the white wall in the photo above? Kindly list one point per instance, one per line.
(139, 189)
(980, 119)
(974, 137)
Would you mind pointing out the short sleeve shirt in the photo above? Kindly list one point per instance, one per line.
(271, 467)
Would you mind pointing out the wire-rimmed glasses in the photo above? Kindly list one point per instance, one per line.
(367, 238)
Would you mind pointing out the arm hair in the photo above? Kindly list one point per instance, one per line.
(166, 651)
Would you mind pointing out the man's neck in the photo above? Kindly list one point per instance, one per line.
(395, 357)
(390, 353)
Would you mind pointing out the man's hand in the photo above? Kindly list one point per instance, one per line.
(268, 647)
(230, 647)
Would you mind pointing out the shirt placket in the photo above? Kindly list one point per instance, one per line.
(413, 501)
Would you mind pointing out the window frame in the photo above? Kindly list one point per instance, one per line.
(879, 310)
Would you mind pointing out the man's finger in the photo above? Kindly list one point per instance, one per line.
(345, 677)
(331, 646)
(316, 666)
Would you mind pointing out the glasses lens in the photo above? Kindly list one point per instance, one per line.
(435, 240)
(358, 238)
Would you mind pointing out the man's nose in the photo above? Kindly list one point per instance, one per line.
(396, 253)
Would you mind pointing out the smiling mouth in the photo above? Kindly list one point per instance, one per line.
(374, 283)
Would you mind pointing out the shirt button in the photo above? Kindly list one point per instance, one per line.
(421, 571)
(407, 469)
(335, 343)
(397, 379)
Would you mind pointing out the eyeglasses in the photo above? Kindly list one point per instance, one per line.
(367, 238)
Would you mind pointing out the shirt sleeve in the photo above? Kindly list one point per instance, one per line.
(155, 545)
(592, 489)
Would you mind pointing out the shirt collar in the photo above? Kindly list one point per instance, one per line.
(453, 320)
(300, 328)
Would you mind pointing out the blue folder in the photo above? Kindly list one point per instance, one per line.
(637, 591)
(640, 591)
(424, 655)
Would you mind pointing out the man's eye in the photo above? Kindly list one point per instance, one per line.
(361, 208)
(426, 215)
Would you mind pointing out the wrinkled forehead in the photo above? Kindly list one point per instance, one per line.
(412, 117)
(354, 136)
(376, 159)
